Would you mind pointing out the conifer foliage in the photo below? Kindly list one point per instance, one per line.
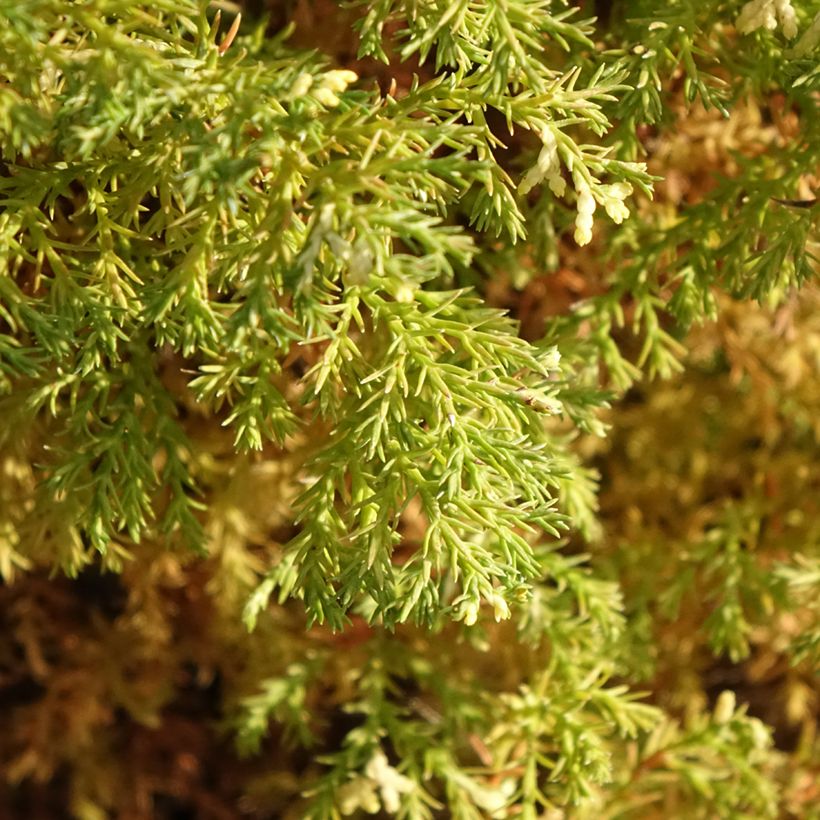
(409, 409)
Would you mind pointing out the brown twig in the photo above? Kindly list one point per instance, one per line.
(229, 37)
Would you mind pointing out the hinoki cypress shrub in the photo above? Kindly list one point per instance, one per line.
(409, 408)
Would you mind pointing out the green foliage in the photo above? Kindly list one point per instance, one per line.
(252, 345)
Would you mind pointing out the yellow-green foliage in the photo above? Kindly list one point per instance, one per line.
(409, 409)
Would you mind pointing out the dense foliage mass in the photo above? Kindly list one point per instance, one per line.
(409, 408)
